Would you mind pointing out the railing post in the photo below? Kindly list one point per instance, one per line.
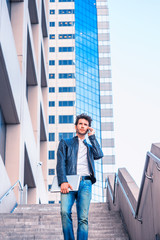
(25, 194)
(114, 190)
(21, 196)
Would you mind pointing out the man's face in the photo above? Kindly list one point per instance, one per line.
(82, 126)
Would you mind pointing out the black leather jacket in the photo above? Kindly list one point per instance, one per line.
(67, 157)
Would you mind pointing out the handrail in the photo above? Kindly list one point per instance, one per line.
(109, 188)
(155, 159)
(135, 213)
(126, 196)
(10, 189)
(114, 192)
(124, 192)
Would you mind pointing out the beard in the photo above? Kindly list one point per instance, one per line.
(81, 133)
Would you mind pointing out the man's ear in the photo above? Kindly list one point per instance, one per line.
(75, 127)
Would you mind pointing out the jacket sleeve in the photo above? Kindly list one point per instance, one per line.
(97, 151)
(61, 162)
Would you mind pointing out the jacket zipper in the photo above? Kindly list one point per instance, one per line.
(90, 160)
(77, 157)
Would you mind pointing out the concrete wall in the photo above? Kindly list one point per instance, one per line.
(24, 95)
(149, 211)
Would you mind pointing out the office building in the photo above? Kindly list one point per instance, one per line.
(23, 101)
(106, 97)
(80, 79)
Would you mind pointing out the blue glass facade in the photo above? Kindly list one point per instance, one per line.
(87, 75)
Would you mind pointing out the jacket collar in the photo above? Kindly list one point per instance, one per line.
(85, 142)
(76, 138)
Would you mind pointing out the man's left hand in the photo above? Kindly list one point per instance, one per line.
(91, 131)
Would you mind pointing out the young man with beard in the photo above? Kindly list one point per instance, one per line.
(76, 156)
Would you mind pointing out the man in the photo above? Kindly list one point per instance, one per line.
(76, 156)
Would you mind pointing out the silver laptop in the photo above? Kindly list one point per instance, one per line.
(73, 180)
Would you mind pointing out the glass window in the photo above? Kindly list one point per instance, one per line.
(51, 119)
(66, 36)
(51, 171)
(51, 62)
(66, 119)
(66, 62)
(49, 187)
(51, 103)
(52, 11)
(67, 89)
(51, 89)
(66, 135)
(66, 49)
(51, 76)
(52, 24)
(66, 75)
(51, 202)
(51, 155)
(66, 103)
(52, 0)
(66, 0)
(66, 24)
(66, 11)
(51, 137)
(52, 49)
(52, 36)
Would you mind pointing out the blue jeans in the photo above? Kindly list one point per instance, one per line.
(83, 198)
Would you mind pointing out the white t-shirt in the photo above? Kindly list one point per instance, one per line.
(82, 162)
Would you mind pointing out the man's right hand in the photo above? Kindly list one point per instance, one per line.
(65, 187)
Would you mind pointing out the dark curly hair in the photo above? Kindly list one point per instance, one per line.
(83, 116)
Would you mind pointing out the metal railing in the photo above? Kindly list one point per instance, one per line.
(11, 189)
(107, 185)
(113, 196)
(145, 175)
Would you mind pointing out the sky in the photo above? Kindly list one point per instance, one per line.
(135, 56)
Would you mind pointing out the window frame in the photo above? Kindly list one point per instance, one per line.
(51, 137)
(51, 155)
(66, 119)
(51, 119)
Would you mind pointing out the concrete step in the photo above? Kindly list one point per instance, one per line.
(46, 209)
(43, 222)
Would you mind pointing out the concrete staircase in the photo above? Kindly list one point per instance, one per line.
(43, 222)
